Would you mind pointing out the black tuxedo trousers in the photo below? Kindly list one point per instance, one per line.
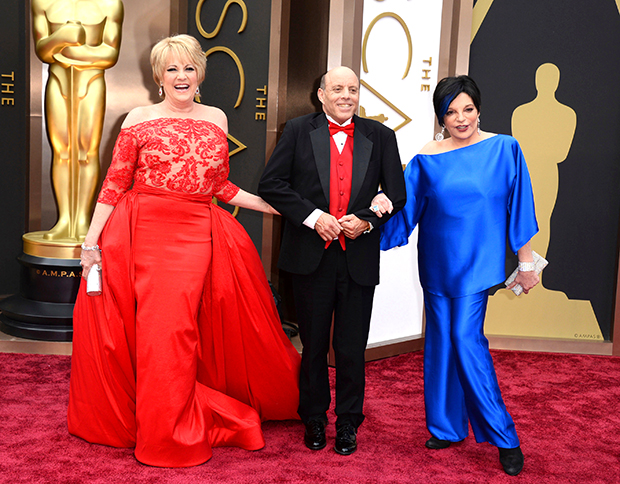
(331, 290)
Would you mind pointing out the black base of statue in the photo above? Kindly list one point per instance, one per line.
(43, 309)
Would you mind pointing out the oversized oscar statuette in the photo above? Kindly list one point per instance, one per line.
(545, 129)
(79, 39)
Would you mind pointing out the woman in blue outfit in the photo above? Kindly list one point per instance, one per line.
(469, 194)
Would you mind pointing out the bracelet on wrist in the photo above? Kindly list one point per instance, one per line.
(94, 247)
(526, 266)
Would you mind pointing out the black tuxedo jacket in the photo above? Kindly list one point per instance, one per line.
(296, 182)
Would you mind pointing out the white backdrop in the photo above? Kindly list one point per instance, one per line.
(397, 33)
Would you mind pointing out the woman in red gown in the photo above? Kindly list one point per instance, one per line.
(184, 350)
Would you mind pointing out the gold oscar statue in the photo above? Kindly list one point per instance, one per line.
(545, 129)
(79, 39)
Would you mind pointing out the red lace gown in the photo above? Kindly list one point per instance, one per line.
(184, 350)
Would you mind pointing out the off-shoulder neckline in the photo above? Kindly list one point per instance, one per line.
(495, 136)
(168, 118)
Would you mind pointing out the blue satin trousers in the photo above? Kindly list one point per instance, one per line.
(460, 384)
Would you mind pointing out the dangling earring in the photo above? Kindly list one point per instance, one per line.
(479, 133)
(197, 95)
(161, 90)
(439, 136)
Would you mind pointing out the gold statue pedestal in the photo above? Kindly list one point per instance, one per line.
(49, 281)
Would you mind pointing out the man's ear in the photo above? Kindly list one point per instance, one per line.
(320, 94)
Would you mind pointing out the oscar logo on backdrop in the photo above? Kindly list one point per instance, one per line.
(545, 129)
(79, 39)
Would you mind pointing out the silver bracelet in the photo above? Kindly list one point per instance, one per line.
(526, 266)
(94, 247)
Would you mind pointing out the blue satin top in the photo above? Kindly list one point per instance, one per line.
(468, 203)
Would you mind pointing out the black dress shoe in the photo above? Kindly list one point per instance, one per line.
(435, 443)
(511, 460)
(314, 437)
(346, 439)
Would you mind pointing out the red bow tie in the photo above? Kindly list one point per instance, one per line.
(334, 128)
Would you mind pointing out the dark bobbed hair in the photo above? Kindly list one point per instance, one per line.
(450, 87)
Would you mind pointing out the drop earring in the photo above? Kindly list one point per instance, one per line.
(161, 90)
(479, 132)
(439, 136)
(197, 95)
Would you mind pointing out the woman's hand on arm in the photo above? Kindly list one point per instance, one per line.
(89, 258)
(381, 204)
(245, 199)
(527, 279)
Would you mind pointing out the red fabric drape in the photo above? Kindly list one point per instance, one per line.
(184, 350)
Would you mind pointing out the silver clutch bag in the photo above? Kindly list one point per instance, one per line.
(539, 264)
(93, 282)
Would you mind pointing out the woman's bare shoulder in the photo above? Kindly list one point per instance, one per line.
(213, 115)
(139, 115)
(433, 147)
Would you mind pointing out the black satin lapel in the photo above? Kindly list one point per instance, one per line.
(320, 147)
(362, 149)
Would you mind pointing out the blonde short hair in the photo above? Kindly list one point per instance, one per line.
(185, 47)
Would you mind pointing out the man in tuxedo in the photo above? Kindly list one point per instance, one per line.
(322, 177)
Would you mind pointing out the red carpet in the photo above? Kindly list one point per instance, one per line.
(566, 409)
